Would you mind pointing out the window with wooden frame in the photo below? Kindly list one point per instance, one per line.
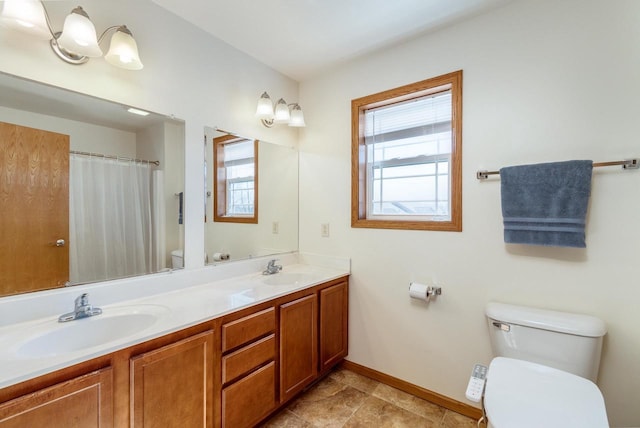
(235, 179)
(406, 159)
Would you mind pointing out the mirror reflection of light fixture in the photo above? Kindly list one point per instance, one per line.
(77, 42)
(138, 111)
(290, 114)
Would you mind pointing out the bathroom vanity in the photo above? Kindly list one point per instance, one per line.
(264, 340)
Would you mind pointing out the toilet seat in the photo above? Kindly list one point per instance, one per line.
(523, 394)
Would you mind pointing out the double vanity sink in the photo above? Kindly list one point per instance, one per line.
(51, 338)
(34, 347)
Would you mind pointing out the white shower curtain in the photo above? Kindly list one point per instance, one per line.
(110, 229)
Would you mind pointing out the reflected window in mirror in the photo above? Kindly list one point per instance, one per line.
(235, 179)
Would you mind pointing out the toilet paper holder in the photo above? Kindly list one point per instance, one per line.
(423, 292)
(433, 291)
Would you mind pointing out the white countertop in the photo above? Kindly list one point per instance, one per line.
(175, 308)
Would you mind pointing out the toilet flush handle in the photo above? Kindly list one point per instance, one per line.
(502, 326)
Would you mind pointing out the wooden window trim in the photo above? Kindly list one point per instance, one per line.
(358, 153)
(220, 182)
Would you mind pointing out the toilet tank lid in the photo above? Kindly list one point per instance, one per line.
(564, 322)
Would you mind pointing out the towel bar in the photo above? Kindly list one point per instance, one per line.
(626, 164)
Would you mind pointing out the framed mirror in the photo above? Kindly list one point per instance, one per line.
(89, 191)
(262, 172)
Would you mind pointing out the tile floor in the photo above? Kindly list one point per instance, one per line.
(349, 400)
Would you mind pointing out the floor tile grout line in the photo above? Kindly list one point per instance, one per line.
(344, 383)
(411, 411)
(444, 416)
(359, 407)
(367, 394)
(371, 395)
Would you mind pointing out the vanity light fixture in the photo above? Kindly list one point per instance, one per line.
(291, 114)
(78, 41)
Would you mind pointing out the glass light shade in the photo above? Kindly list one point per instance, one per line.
(265, 107)
(26, 16)
(282, 112)
(297, 117)
(79, 35)
(123, 50)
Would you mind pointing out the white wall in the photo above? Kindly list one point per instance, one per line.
(83, 137)
(173, 185)
(543, 81)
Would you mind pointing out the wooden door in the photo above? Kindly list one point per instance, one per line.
(82, 402)
(34, 209)
(298, 345)
(334, 310)
(173, 386)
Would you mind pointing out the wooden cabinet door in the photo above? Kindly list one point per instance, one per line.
(298, 345)
(82, 402)
(173, 386)
(334, 310)
(34, 209)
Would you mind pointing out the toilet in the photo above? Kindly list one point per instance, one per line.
(545, 366)
(177, 259)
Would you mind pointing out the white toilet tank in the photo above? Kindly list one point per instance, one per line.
(566, 341)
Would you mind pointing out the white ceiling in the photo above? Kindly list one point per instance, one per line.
(302, 37)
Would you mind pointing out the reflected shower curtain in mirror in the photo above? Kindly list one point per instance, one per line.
(110, 227)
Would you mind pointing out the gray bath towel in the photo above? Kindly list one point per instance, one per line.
(546, 204)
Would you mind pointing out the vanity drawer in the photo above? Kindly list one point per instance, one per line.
(249, 400)
(248, 358)
(243, 330)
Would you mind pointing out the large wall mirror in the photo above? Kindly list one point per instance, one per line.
(88, 191)
(256, 181)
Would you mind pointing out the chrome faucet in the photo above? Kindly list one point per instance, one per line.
(83, 309)
(272, 268)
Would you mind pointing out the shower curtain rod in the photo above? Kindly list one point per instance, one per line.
(99, 155)
(626, 164)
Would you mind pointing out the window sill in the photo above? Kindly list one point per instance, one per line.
(441, 226)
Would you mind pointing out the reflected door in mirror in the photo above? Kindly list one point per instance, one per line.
(34, 209)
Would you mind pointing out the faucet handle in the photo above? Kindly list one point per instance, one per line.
(82, 309)
(272, 267)
(82, 300)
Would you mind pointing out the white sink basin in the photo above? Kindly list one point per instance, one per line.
(288, 278)
(112, 325)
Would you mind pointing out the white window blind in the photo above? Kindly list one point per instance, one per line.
(408, 158)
